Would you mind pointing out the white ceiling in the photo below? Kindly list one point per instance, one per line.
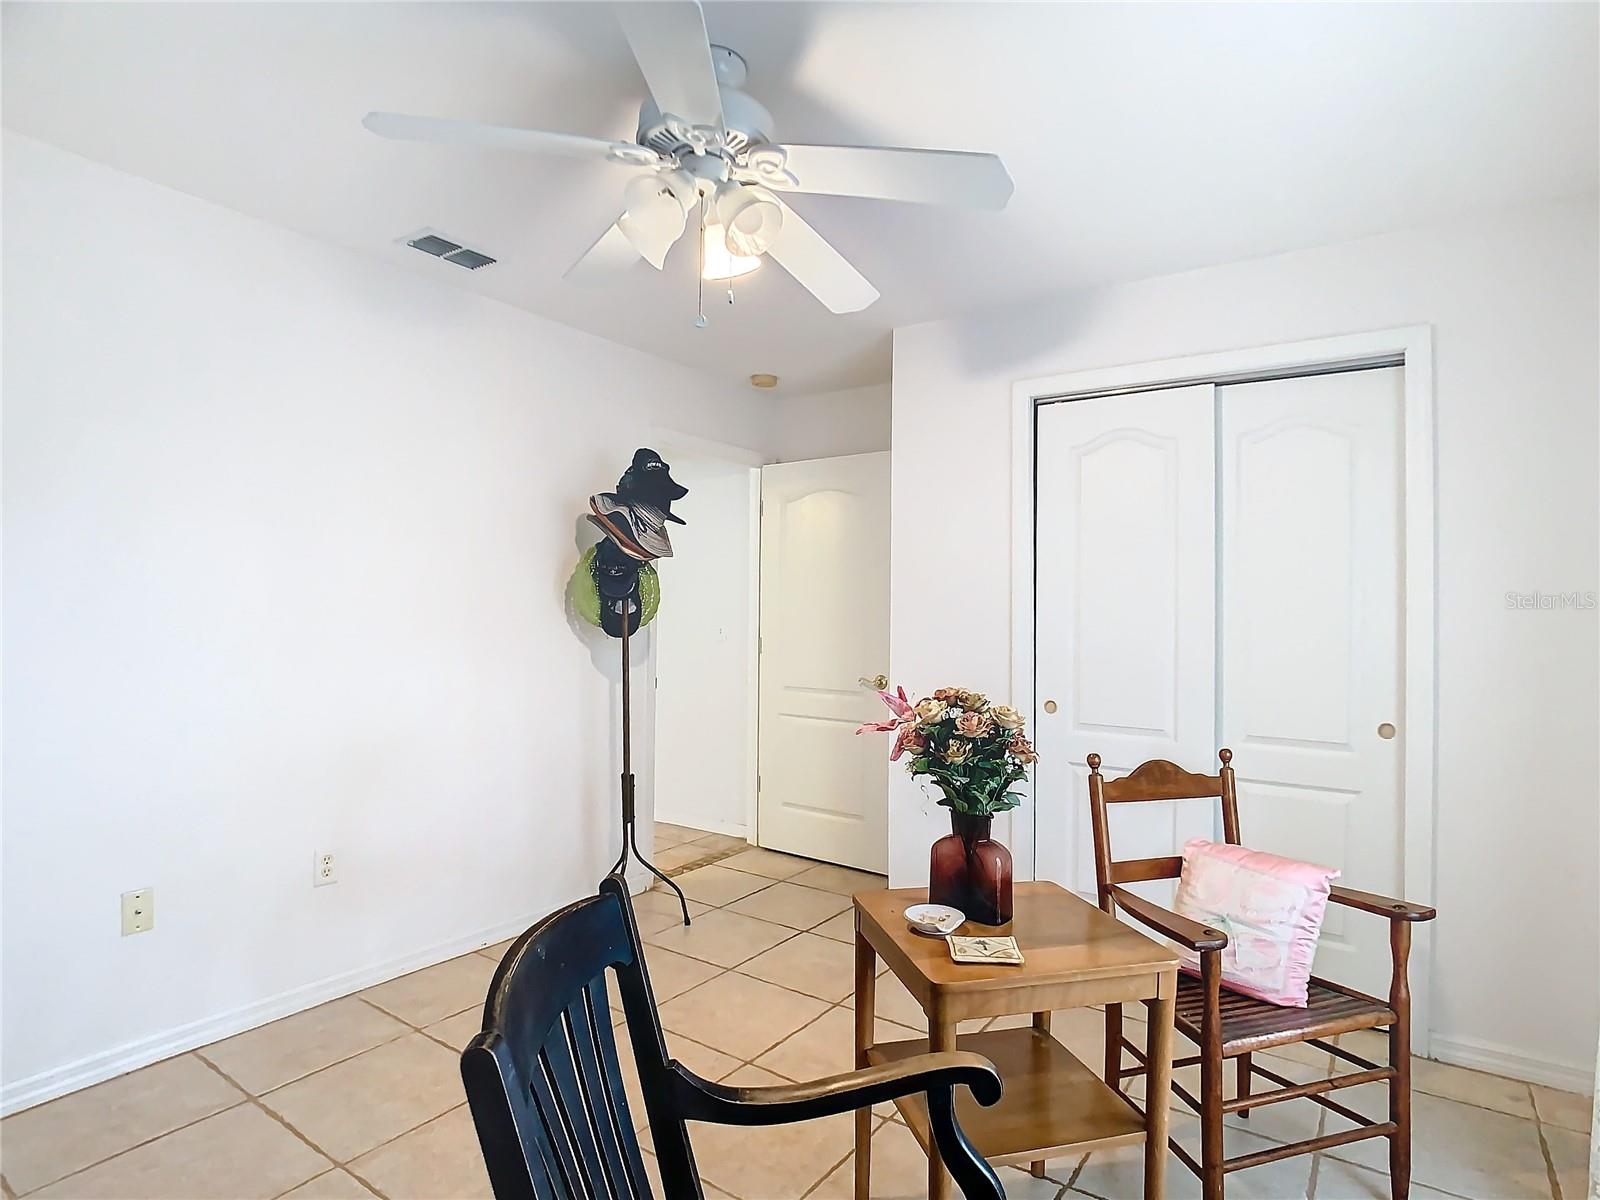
(1142, 139)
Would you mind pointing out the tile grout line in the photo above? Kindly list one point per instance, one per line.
(338, 1163)
(250, 1097)
(279, 1118)
(100, 1162)
(1551, 1174)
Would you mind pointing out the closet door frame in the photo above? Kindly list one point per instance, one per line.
(1410, 348)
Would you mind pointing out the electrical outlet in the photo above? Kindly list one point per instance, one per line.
(324, 869)
(138, 911)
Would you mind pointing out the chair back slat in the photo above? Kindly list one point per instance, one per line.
(543, 1078)
(585, 1103)
(594, 1045)
(568, 1160)
(1157, 779)
(1138, 870)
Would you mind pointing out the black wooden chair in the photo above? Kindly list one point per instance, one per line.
(547, 1096)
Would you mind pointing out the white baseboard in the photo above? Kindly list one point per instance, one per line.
(1513, 1063)
(95, 1068)
(731, 828)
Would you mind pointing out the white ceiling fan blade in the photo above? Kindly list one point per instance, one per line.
(610, 258)
(953, 177)
(668, 37)
(818, 267)
(504, 137)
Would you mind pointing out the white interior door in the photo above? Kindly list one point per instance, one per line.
(1125, 637)
(824, 626)
(1311, 666)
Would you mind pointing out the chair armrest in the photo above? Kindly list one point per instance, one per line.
(701, 1100)
(936, 1074)
(1383, 906)
(1187, 933)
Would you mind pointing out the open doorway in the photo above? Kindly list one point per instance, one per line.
(704, 654)
(772, 629)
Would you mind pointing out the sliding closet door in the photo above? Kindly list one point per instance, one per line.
(1310, 670)
(1125, 638)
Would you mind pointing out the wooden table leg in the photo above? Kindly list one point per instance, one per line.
(1041, 1020)
(1158, 1088)
(941, 1036)
(866, 1002)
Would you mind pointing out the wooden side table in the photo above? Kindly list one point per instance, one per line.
(1053, 1104)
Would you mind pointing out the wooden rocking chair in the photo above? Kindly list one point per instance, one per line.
(546, 1093)
(1226, 1024)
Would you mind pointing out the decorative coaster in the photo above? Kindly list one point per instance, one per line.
(1001, 950)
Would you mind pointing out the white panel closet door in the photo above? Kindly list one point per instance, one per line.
(1126, 635)
(824, 625)
(1311, 510)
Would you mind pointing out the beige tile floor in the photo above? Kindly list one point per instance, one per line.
(360, 1097)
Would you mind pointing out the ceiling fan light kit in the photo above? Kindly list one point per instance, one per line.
(704, 142)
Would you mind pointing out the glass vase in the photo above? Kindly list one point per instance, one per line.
(969, 870)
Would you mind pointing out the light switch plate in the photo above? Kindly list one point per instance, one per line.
(138, 911)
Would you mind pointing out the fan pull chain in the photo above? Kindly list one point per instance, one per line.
(700, 275)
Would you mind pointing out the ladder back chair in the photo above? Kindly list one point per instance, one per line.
(546, 1093)
(1225, 1024)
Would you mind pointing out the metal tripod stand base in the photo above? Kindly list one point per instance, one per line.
(630, 841)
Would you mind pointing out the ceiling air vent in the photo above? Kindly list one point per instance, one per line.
(452, 252)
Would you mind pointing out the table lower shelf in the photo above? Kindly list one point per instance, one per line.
(1052, 1104)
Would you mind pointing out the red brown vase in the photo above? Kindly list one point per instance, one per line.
(969, 870)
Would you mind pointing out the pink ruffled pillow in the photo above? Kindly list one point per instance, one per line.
(1270, 907)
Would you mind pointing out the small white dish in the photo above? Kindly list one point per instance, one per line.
(934, 920)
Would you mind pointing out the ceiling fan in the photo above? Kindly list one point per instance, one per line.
(707, 149)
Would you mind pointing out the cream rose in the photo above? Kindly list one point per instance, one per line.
(930, 710)
(1006, 717)
(957, 751)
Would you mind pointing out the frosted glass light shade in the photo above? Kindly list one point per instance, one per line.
(654, 219)
(751, 216)
(719, 263)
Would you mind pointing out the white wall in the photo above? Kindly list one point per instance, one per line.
(829, 424)
(705, 643)
(286, 537)
(1513, 304)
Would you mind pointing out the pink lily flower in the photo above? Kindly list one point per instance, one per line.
(909, 740)
(899, 704)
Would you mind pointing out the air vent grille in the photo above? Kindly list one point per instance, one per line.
(439, 246)
(470, 259)
(432, 244)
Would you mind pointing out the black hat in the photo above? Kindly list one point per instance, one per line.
(649, 481)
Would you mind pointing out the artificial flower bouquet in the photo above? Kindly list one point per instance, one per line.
(971, 750)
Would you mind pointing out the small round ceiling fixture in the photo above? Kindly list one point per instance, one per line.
(764, 381)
